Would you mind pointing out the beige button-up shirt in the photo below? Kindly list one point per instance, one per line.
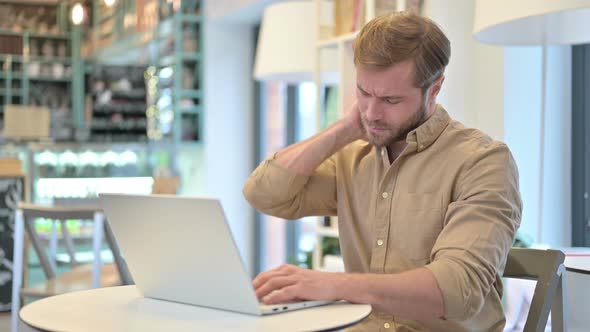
(449, 202)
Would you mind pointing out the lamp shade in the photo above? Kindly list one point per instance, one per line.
(532, 22)
(286, 45)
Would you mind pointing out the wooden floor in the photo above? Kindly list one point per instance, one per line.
(4, 322)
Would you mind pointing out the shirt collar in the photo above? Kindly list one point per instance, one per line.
(430, 130)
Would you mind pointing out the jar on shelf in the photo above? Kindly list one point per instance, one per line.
(62, 50)
(189, 40)
(34, 47)
(58, 70)
(33, 69)
(48, 49)
(188, 78)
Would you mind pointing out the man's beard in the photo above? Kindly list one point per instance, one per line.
(394, 133)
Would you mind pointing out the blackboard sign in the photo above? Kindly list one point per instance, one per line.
(11, 193)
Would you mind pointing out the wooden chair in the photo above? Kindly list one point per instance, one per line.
(81, 277)
(166, 185)
(546, 267)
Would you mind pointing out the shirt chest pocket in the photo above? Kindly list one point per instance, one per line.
(417, 220)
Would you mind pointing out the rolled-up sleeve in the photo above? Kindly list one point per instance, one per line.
(280, 192)
(479, 227)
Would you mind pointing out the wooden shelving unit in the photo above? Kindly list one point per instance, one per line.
(38, 62)
(172, 44)
(118, 98)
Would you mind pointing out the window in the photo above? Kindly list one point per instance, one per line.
(581, 146)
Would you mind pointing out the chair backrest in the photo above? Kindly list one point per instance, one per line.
(546, 267)
(81, 210)
(61, 213)
(166, 185)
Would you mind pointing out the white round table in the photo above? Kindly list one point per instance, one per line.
(125, 309)
(577, 288)
(577, 260)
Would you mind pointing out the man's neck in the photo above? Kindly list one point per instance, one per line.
(395, 149)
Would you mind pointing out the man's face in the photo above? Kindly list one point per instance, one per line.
(389, 103)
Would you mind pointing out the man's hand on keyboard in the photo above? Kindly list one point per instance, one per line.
(289, 283)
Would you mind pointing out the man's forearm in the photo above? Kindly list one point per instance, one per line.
(412, 294)
(304, 157)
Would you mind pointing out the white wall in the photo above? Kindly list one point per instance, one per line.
(473, 88)
(557, 200)
(229, 136)
(222, 8)
(523, 73)
(237, 11)
(193, 169)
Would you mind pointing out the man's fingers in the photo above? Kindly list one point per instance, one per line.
(279, 271)
(284, 295)
(265, 276)
(274, 284)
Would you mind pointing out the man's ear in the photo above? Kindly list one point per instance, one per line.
(436, 87)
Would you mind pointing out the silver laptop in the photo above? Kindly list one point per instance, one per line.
(181, 249)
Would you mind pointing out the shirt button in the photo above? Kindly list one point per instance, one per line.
(385, 194)
(421, 146)
(386, 325)
(382, 152)
(380, 242)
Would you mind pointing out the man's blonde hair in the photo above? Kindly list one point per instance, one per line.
(390, 39)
